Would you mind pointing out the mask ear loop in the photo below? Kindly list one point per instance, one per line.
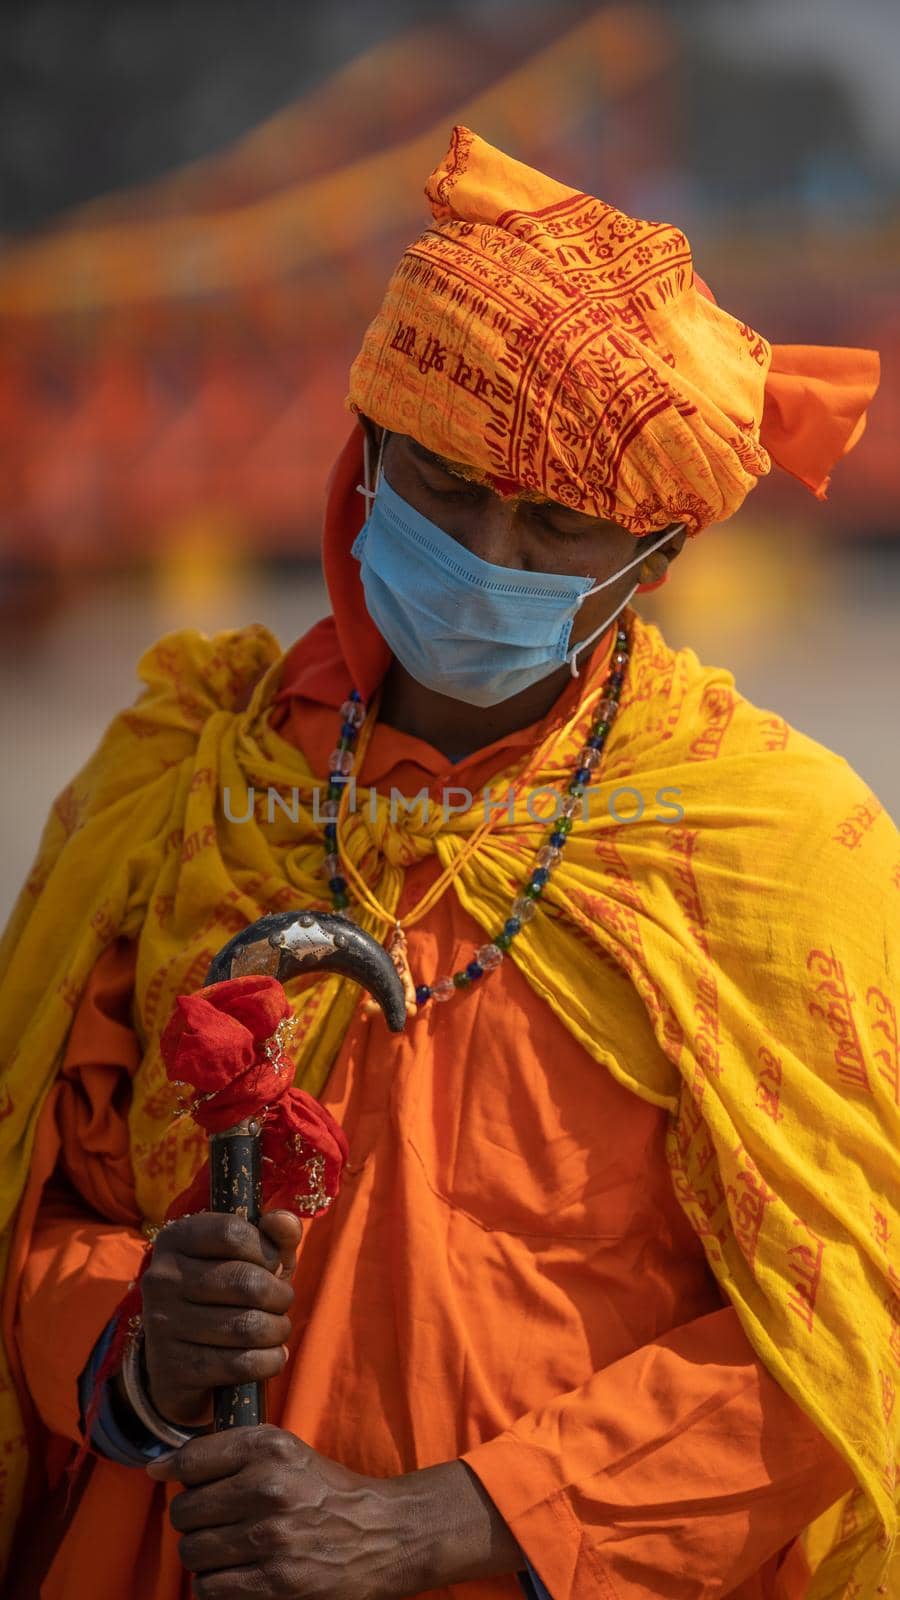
(367, 493)
(638, 560)
(573, 658)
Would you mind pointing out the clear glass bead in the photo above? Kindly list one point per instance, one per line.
(489, 957)
(524, 909)
(443, 990)
(329, 809)
(571, 806)
(619, 660)
(589, 758)
(606, 710)
(341, 761)
(331, 866)
(549, 855)
(353, 712)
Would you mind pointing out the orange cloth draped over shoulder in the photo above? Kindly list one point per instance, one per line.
(479, 1291)
(544, 1256)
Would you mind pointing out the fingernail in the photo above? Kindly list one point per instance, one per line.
(279, 1270)
(286, 1351)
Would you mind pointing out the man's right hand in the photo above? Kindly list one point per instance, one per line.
(216, 1296)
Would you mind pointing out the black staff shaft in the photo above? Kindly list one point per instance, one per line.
(235, 1183)
(284, 945)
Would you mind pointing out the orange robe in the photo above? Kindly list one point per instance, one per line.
(507, 1276)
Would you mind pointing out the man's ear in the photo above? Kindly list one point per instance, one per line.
(654, 569)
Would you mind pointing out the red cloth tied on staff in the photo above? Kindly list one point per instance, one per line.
(217, 1041)
(223, 1041)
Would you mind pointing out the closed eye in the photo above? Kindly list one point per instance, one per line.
(465, 491)
(543, 514)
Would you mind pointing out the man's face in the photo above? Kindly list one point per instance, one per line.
(528, 534)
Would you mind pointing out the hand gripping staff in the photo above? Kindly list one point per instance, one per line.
(276, 948)
(269, 1143)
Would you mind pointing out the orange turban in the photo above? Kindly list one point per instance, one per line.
(560, 348)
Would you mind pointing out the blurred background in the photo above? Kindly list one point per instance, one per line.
(200, 203)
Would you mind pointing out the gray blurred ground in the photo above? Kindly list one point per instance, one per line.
(812, 635)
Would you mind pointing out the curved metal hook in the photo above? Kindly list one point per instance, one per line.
(286, 943)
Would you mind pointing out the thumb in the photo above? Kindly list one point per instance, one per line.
(284, 1231)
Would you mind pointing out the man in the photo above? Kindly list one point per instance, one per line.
(608, 1304)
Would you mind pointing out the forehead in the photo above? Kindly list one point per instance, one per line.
(459, 469)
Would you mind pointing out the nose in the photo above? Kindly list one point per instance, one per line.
(490, 532)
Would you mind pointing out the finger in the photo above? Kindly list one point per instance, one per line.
(211, 1235)
(283, 1230)
(208, 1458)
(234, 1283)
(193, 1369)
(222, 1327)
(211, 1505)
(211, 1549)
(231, 1583)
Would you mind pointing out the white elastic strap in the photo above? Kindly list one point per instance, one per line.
(669, 534)
(363, 488)
(573, 658)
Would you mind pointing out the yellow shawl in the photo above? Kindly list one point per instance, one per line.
(754, 934)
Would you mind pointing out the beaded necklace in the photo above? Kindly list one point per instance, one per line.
(524, 907)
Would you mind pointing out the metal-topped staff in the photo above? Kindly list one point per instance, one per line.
(284, 945)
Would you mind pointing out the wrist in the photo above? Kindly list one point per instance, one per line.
(131, 1383)
(463, 1535)
(194, 1417)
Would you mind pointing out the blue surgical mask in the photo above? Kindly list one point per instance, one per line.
(459, 625)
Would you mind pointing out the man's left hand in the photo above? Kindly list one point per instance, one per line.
(263, 1514)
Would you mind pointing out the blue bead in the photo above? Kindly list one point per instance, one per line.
(474, 970)
(540, 876)
(597, 741)
(423, 994)
(348, 731)
(616, 680)
(582, 775)
(330, 831)
(337, 885)
(354, 695)
(511, 927)
(557, 840)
